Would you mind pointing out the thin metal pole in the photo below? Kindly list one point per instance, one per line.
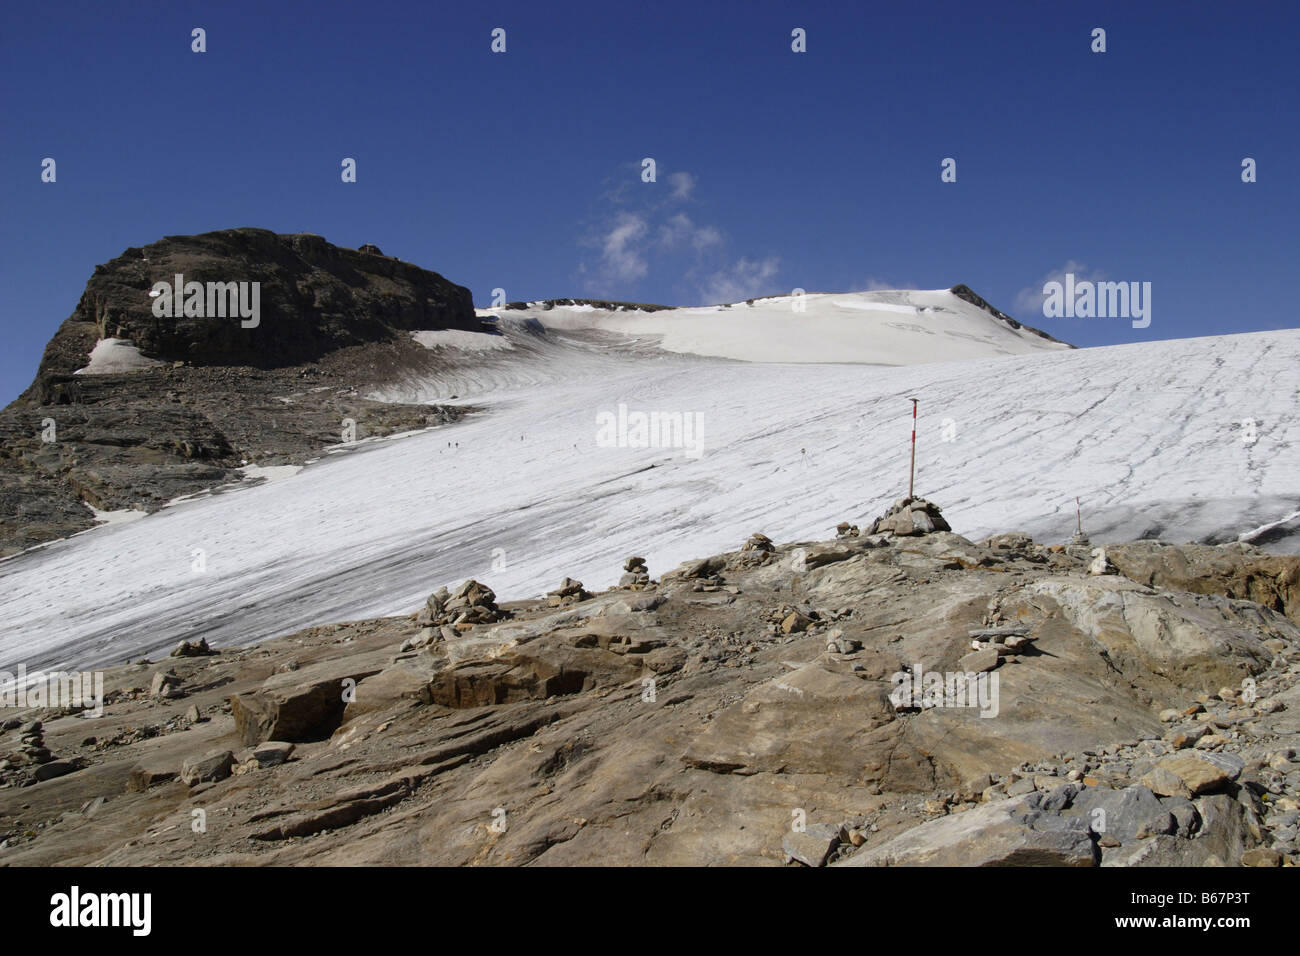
(911, 478)
(1078, 516)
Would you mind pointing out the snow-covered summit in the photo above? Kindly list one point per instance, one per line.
(897, 327)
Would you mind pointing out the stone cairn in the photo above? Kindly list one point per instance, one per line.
(31, 745)
(991, 645)
(197, 648)
(637, 576)
(757, 550)
(447, 615)
(569, 592)
(909, 516)
(846, 530)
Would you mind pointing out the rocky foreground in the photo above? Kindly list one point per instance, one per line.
(1137, 707)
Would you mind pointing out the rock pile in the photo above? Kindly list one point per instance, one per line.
(992, 645)
(569, 592)
(908, 516)
(197, 648)
(759, 542)
(446, 615)
(846, 530)
(32, 761)
(637, 576)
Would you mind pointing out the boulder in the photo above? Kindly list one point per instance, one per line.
(214, 765)
(166, 685)
(300, 706)
(143, 776)
(813, 846)
(994, 834)
(56, 768)
(977, 662)
(1133, 813)
(1189, 773)
(272, 753)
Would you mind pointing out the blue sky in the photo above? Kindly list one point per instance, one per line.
(775, 169)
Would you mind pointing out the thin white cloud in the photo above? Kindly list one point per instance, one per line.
(641, 230)
(743, 279)
(680, 230)
(1030, 299)
(683, 184)
(621, 257)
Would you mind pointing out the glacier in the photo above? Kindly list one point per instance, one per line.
(1151, 437)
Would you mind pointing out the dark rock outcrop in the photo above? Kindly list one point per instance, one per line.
(966, 293)
(315, 297)
(332, 322)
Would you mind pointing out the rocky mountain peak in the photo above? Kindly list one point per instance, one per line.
(313, 298)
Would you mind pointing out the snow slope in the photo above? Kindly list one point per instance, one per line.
(883, 328)
(522, 494)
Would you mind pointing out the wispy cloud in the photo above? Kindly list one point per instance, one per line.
(643, 231)
(744, 279)
(1029, 300)
(620, 257)
(681, 230)
(682, 184)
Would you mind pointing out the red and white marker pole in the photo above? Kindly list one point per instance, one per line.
(911, 478)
